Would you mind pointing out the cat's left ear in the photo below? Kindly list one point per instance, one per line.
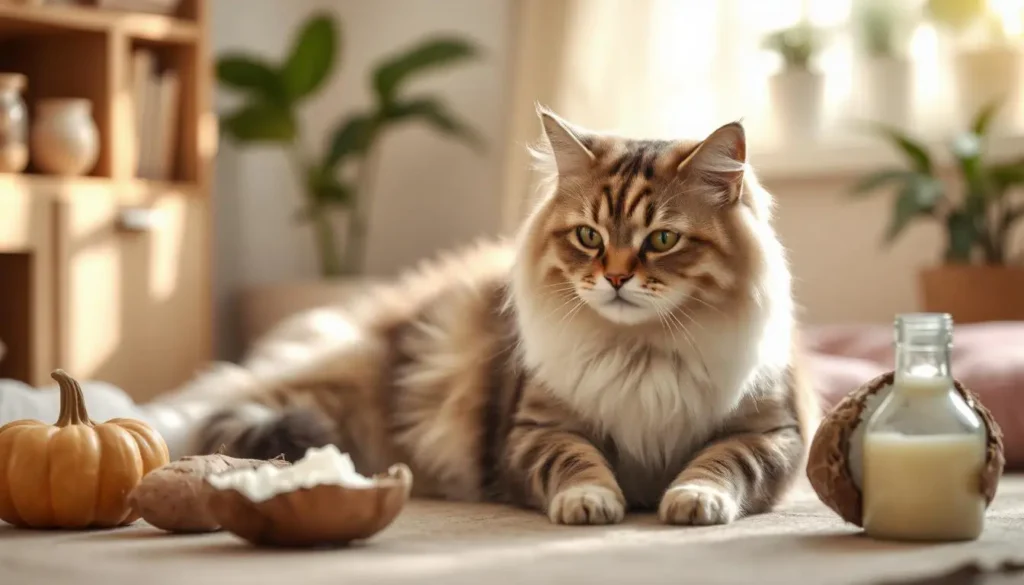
(719, 162)
(567, 143)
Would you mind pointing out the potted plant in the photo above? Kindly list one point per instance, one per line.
(882, 29)
(986, 59)
(980, 277)
(336, 179)
(797, 89)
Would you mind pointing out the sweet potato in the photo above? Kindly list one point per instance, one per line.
(172, 497)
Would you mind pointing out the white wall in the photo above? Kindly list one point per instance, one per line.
(431, 193)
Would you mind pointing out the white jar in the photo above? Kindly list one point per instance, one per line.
(65, 140)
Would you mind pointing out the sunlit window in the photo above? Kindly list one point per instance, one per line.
(697, 63)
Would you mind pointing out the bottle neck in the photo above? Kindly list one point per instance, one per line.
(922, 363)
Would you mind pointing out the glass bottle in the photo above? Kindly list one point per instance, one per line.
(13, 124)
(924, 447)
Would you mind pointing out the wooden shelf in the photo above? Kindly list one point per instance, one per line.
(64, 187)
(152, 27)
(106, 259)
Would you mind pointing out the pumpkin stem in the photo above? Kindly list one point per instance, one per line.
(72, 402)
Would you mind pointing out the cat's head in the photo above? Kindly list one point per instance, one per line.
(635, 230)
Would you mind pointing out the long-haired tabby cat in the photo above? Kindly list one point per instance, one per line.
(632, 349)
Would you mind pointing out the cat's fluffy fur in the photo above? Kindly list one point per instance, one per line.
(578, 372)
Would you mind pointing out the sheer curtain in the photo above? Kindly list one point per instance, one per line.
(674, 68)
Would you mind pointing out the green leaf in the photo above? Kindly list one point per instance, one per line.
(1007, 175)
(430, 54)
(905, 209)
(984, 117)
(437, 115)
(352, 137)
(915, 152)
(962, 234)
(311, 58)
(1011, 217)
(260, 122)
(880, 179)
(323, 190)
(334, 193)
(250, 75)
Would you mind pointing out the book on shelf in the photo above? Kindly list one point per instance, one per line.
(156, 93)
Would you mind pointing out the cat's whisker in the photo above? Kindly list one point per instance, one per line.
(571, 297)
(705, 303)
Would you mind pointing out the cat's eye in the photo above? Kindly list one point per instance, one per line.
(589, 237)
(662, 240)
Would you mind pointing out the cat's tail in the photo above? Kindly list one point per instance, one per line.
(310, 382)
(217, 412)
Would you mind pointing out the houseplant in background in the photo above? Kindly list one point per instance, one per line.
(981, 275)
(797, 89)
(337, 179)
(986, 57)
(882, 30)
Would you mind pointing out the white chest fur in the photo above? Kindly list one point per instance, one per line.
(661, 398)
(655, 403)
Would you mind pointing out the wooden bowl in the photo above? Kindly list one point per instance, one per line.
(323, 515)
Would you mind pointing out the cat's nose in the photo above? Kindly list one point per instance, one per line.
(617, 280)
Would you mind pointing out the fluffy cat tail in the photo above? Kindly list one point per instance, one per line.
(206, 417)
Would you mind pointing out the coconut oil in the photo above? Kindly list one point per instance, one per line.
(924, 447)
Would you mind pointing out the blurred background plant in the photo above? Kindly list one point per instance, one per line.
(796, 45)
(341, 176)
(882, 28)
(978, 216)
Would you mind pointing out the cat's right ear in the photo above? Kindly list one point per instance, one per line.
(567, 143)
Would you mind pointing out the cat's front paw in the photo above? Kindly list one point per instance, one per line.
(586, 504)
(698, 505)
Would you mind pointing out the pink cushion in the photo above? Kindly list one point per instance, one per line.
(988, 358)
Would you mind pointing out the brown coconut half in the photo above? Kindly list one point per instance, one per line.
(323, 515)
(172, 497)
(831, 467)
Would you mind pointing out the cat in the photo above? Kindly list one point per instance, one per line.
(633, 347)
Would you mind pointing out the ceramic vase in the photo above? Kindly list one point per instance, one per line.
(65, 140)
(888, 90)
(13, 124)
(797, 96)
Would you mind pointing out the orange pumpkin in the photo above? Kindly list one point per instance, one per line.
(75, 473)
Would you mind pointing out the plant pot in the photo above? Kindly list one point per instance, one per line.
(974, 294)
(984, 74)
(888, 90)
(263, 307)
(797, 96)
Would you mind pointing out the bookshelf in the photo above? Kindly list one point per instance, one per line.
(108, 275)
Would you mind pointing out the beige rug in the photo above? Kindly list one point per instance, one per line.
(449, 544)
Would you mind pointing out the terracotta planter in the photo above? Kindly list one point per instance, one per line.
(974, 293)
(263, 307)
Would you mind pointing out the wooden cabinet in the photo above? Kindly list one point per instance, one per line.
(108, 276)
(133, 293)
(106, 283)
(27, 318)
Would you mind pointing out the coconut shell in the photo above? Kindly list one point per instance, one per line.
(321, 515)
(827, 462)
(172, 498)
